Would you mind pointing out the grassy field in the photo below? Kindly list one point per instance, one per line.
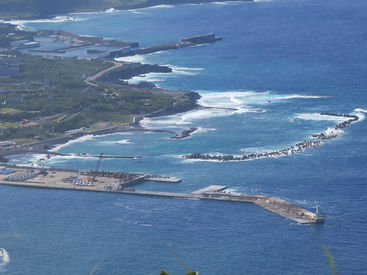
(50, 97)
(42, 97)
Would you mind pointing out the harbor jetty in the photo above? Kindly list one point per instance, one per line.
(125, 183)
(185, 133)
(183, 43)
(299, 147)
(117, 48)
(334, 132)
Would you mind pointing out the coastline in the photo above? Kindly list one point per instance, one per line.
(44, 147)
(120, 73)
(133, 6)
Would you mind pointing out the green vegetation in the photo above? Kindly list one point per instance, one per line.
(50, 97)
(42, 97)
(10, 33)
(43, 8)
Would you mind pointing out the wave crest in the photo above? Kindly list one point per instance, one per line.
(4, 259)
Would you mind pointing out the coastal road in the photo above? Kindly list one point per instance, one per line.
(91, 78)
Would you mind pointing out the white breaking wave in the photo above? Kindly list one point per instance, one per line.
(231, 190)
(360, 110)
(360, 113)
(332, 132)
(4, 259)
(185, 70)
(188, 118)
(320, 117)
(218, 104)
(77, 140)
(111, 10)
(124, 141)
(227, 2)
(91, 137)
(225, 99)
(234, 99)
(145, 224)
(220, 3)
(58, 19)
(203, 130)
(133, 59)
(150, 77)
(280, 97)
(168, 122)
(201, 114)
(28, 160)
(112, 142)
(193, 4)
(160, 7)
(199, 130)
(158, 77)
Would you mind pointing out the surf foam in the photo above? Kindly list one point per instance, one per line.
(70, 142)
(21, 24)
(132, 59)
(124, 141)
(319, 117)
(4, 259)
(160, 7)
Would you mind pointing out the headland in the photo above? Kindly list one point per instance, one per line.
(66, 98)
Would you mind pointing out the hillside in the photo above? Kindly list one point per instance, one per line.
(11, 9)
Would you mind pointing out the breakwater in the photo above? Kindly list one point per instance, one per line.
(335, 131)
(185, 133)
(272, 204)
(183, 43)
(297, 148)
(122, 183)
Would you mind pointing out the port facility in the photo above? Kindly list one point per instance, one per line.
(124, 183)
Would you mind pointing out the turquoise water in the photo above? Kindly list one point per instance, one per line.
(280, 64)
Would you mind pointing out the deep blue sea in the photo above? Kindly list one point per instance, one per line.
(291, 59)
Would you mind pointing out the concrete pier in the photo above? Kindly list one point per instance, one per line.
(210, 189)
(166, 179)
(121, 183)
(273, 204)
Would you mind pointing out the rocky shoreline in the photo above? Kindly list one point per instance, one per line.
(131, 69)
(44, 147)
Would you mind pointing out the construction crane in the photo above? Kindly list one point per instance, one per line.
(94, 174)
(43, 171)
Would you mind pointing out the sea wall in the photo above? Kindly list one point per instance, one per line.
(297, 148)
(183, 43)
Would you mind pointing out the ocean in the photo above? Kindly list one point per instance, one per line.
(280, 64)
